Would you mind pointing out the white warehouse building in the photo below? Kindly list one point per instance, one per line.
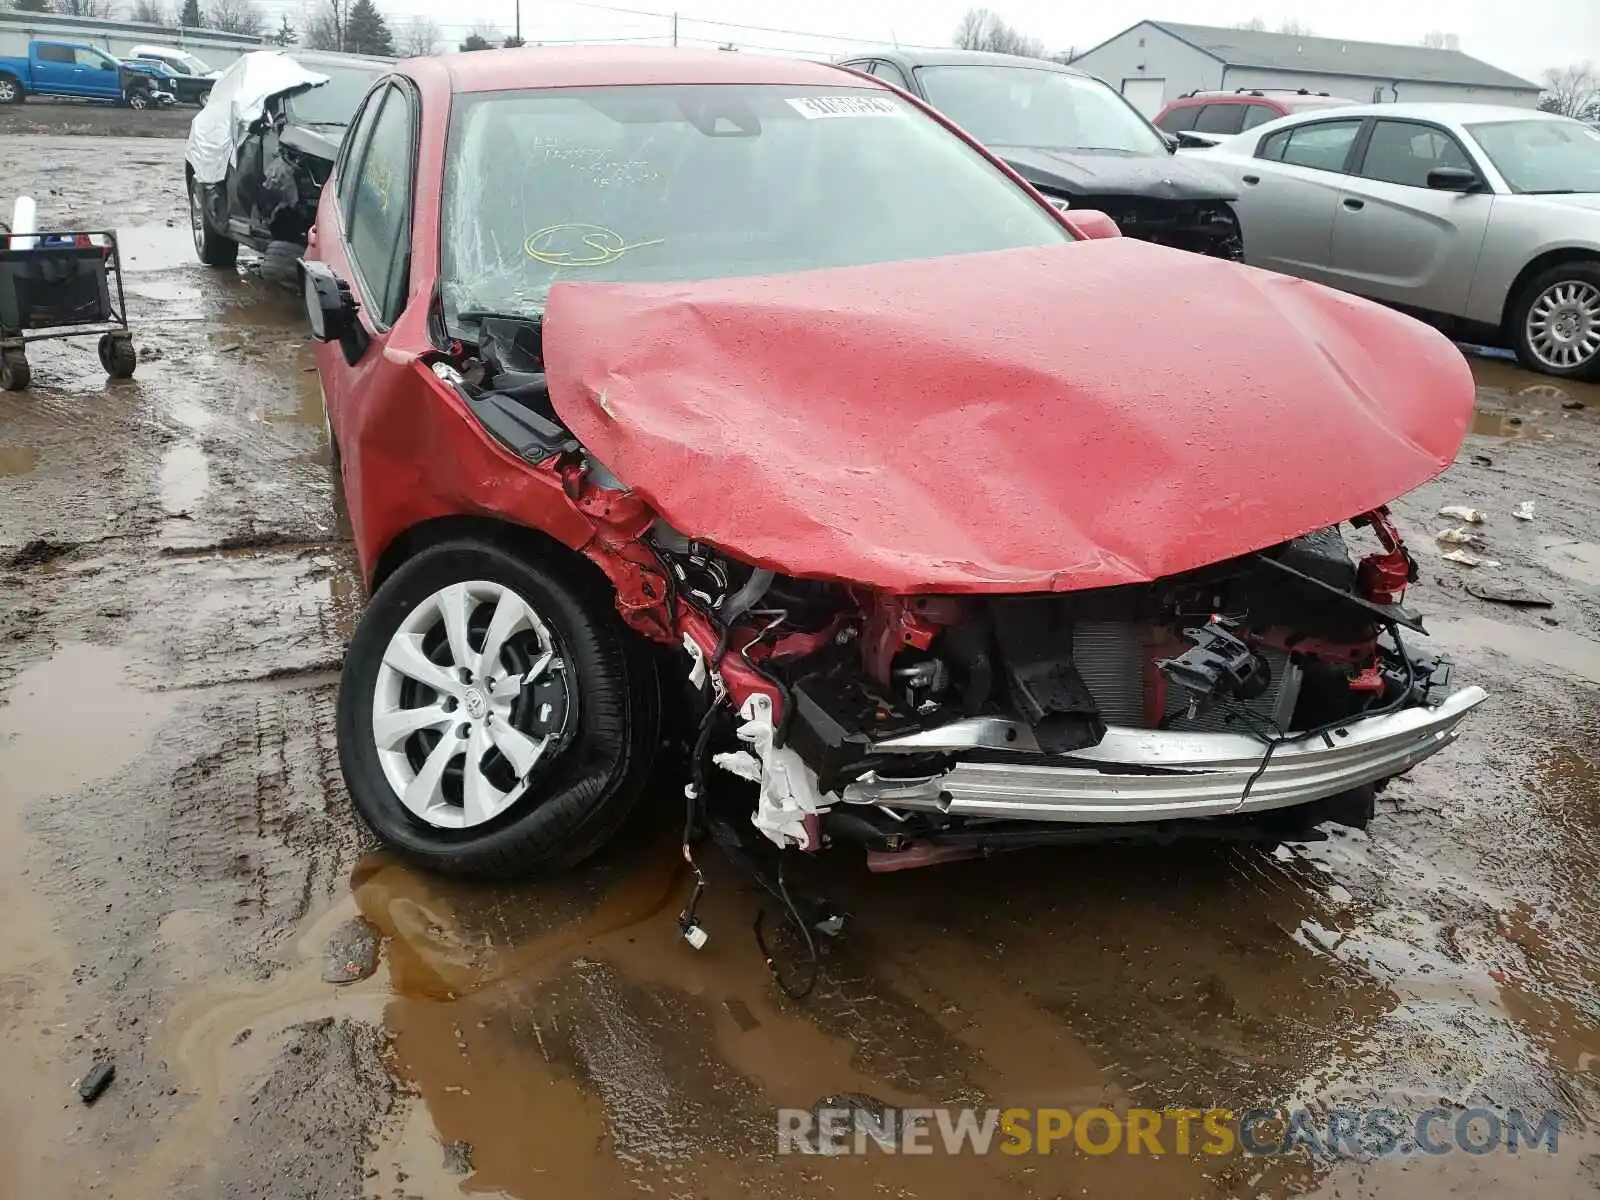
(1157, 61)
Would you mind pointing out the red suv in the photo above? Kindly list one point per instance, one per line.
(1208, 117)
(679, 426)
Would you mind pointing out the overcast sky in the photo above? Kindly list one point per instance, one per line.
(1524, 36)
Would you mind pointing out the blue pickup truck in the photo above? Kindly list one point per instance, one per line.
(73, 70)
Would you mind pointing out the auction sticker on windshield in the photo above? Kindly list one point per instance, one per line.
(814, 107)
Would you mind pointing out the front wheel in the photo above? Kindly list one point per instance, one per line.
(10, 90)
(214, 249)
(1556, 322)
(138, 100)
(495, 716)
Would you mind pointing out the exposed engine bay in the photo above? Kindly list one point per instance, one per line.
(1198, 226)
(279, 176)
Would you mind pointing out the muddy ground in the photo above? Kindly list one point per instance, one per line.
(77, 117)
(181, 878)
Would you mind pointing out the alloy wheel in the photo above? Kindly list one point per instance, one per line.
(1563, 328)
(197, 219)
(472, 697)
(8, 91)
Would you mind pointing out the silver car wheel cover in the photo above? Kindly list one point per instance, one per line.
(470, 706)
(1563, 325)
(197, 217)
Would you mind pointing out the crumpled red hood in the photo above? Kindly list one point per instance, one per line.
(1098, 413)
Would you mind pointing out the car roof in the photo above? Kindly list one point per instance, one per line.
(966, 58)
(607, 66)
(1445, 112)
(334, 58)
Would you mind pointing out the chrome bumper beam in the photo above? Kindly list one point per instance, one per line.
(1155, 775)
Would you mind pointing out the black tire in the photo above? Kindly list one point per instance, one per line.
(118, 356)
(10, 91)
(137, 99)
(1583, 276)
(595, 781)
(213, 249)
(15, 374)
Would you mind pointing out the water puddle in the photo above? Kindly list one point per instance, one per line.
(147, 248)
(17, 460)
(1508, 425)
(64, 725)
(1548, 647)
(185, 476)
(1505, 381)
(1578, 561)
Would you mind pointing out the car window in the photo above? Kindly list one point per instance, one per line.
(177, 65)
(1259, 114)
(1179, 120)
(664, 183)
(1549, 156)
(335, 102)
(1404, 152)
(350, 152)
(892, 73)
(380, 206)
(1030, 106)
(88, 56)
(1220, 118)
(1322, 145)
(55, 54)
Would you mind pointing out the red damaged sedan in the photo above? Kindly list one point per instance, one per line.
(699, 399)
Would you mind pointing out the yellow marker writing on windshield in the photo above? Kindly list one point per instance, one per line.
(580, 245)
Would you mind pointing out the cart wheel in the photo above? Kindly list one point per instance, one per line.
(14, 372)
(117, 355)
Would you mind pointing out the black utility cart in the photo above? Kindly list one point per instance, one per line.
(64, 284)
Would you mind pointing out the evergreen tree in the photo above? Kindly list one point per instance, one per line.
(286, 35)
(366, 32)
(512, 42)
(189, 16)
(476, 41)
(31, 5)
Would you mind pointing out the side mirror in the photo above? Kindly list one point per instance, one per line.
(1188, 140)
(1173, 141)
(1454, 179)
(331, 310)
(1094, 224)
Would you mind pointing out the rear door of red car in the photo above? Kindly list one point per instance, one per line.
(369, 244)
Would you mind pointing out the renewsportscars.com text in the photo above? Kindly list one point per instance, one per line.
(1338, 1132)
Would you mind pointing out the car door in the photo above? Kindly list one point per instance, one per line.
(373, 190)
(1288, 193)
(97, 73)
(55, 69)
(1395, 238)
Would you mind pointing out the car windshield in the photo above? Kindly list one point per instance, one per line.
(335, 102)
(1549, 157)
(1028, 106)
(631, 184)
(188, 64)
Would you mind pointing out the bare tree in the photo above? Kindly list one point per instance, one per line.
(418, 37)
(325, 24)
(234, 16)
(1438, 39)
(150, 12)
(1295, 27)
(83, 8)
(981, 29)
(1572, 91)
(1254, 25)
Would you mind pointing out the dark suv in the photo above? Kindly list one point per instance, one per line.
(1075, 139)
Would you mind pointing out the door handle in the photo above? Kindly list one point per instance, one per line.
(1252, 179)
(1353, 204)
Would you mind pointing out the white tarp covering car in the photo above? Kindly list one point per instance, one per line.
(236, 103)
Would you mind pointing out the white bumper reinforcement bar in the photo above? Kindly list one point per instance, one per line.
(1155, 775)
